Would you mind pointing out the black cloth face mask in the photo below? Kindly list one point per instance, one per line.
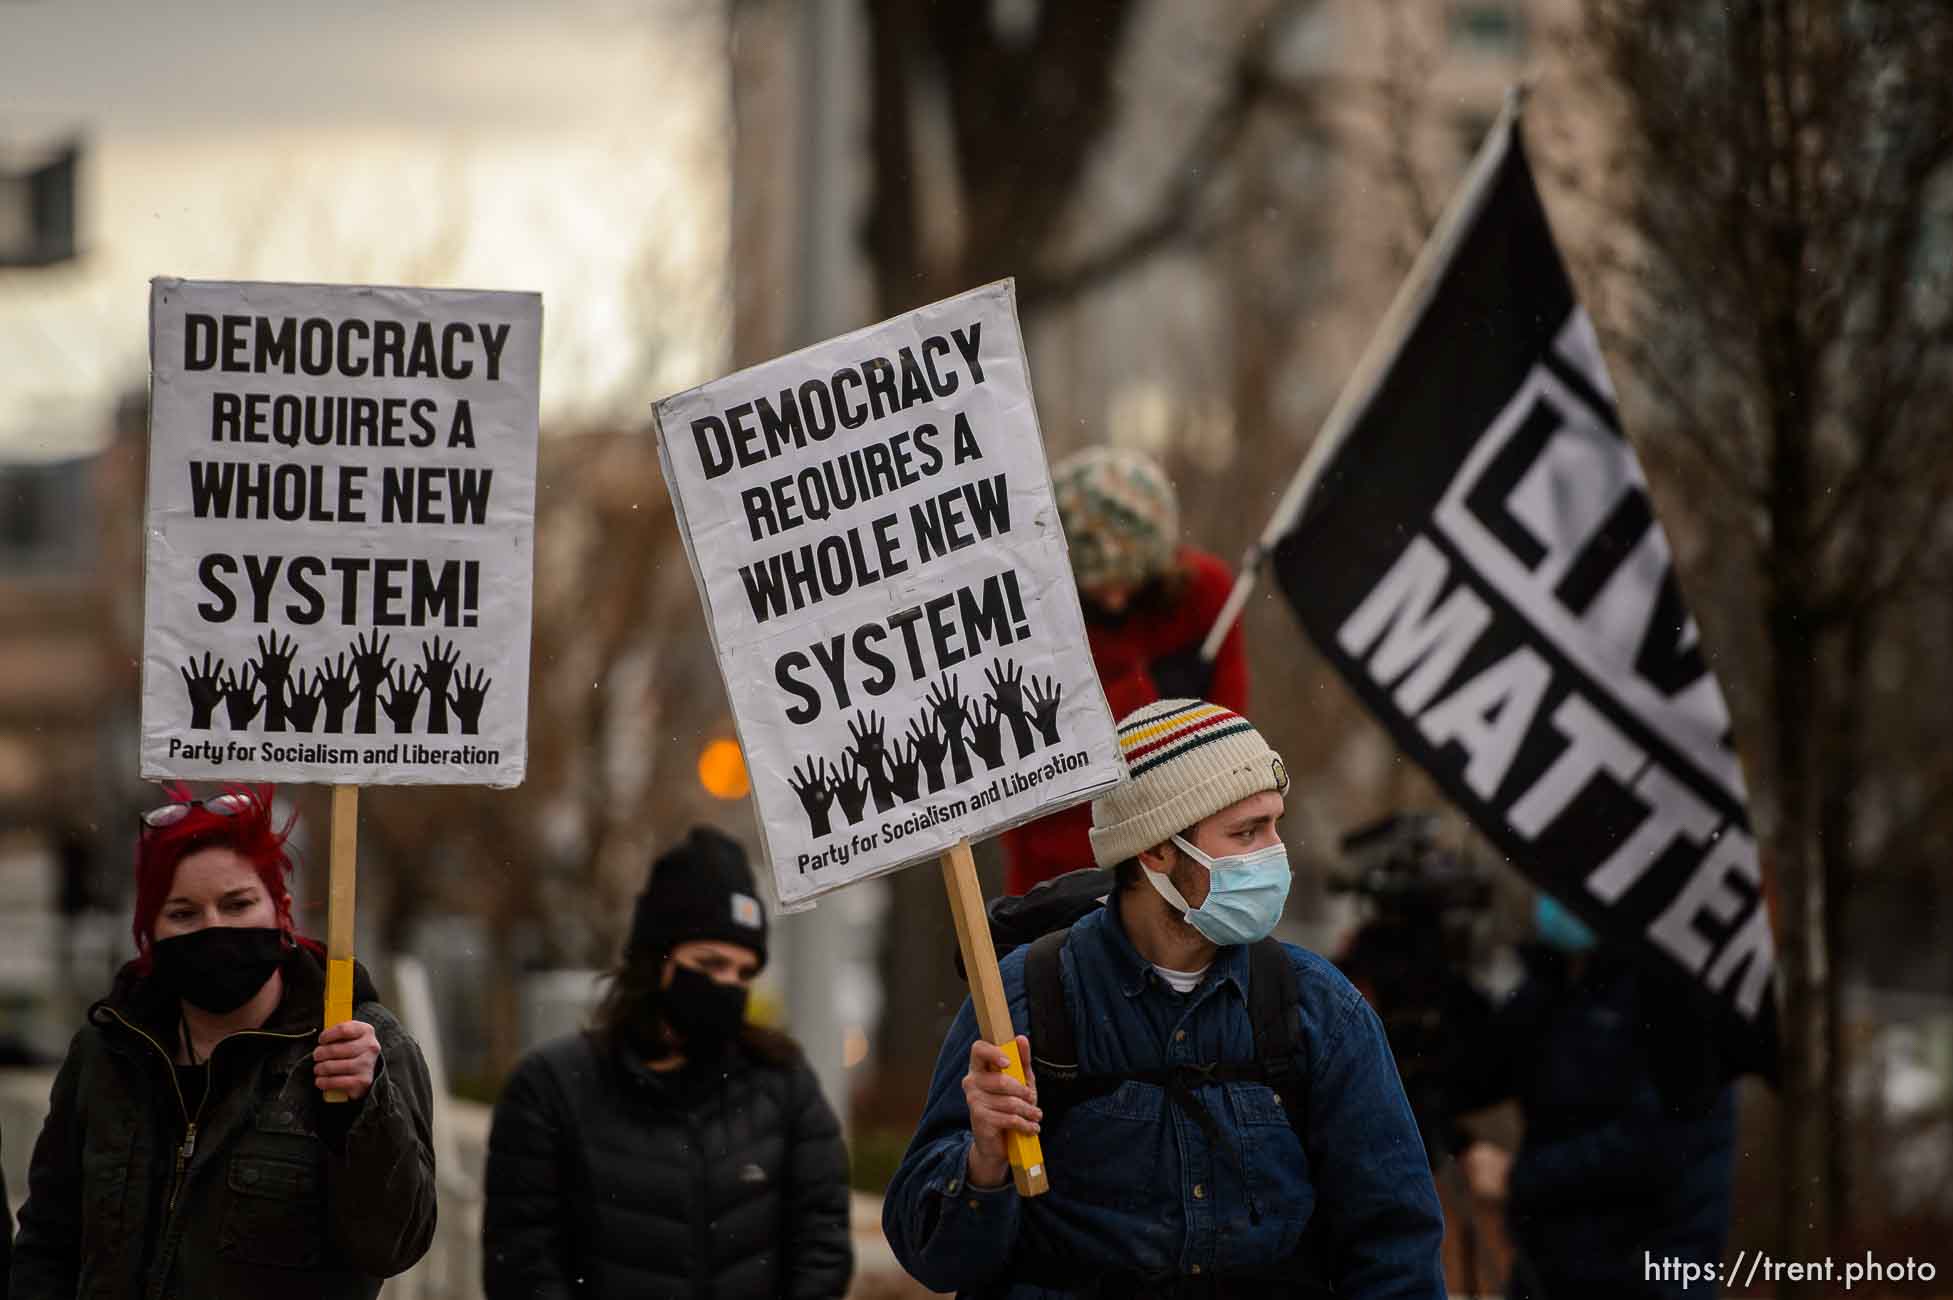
(220, 967)
(705, 1013)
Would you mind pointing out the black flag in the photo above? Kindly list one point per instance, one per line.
(1478, 556)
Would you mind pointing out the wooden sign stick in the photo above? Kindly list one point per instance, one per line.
(987, 994)
(340, 913)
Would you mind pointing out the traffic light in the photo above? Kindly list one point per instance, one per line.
(722, 770)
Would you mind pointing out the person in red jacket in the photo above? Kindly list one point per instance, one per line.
(1149, 602)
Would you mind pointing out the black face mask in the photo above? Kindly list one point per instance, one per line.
(703, 1012)
(220, 967)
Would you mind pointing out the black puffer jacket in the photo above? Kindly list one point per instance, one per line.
(283, 1196)
(607, 1180)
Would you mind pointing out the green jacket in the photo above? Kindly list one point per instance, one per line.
(274, 1194)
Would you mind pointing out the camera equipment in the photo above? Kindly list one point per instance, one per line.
(1410, 957)
(1397, 864)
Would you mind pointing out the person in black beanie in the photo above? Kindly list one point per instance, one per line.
(672, 1149)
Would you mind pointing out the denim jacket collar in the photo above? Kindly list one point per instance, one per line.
(1106, 928)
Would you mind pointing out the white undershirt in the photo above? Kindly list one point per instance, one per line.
(1181, 981)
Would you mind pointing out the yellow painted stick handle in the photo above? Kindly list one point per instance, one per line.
(339, 991)
(1025, 1152)
(339, 912)
(987, 998)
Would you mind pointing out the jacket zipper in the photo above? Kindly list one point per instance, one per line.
(188, 1147)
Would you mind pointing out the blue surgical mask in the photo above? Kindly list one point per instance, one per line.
(1559, 928)
(1245, 893)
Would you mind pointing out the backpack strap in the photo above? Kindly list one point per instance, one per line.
(1062, 1082)
(1273, 1009)
(1054, 1043)
(1273, 1000)
(1054, 1059)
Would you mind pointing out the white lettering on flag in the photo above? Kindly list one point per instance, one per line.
(1432, 642)
(1407, 632)
(1562, 501)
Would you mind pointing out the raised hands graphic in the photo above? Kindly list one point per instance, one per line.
(871, 752)
(953, 712)
(936, 749)
(1043, 697)
(370, 667)
(335, 682)
(350, 690)
(206, 687)
(274, 669)
(307, 694)
(403, 699)
(816, 795)
(851, 789)
(470, 690)
(1007, 693)
(930, 749)
(437, 671)
(241, 701)
(987, 734)
(905, 769)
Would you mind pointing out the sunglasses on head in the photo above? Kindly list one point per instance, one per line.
(224, 805)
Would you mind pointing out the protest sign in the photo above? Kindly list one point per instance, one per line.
(871, 525)
(341, 514)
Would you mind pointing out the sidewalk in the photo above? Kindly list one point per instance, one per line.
(876, 1274)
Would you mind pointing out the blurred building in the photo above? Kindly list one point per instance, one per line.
(37, 203)
(68, 580)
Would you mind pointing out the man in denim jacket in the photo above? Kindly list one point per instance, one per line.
(1142, 1203)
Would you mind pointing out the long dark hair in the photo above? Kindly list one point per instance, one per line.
(627, 1017)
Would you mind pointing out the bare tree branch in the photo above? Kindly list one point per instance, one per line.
(1174, 217)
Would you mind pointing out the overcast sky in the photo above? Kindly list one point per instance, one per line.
(576, 148)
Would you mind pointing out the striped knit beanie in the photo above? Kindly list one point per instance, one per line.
(1185, 761)
(1121, 518)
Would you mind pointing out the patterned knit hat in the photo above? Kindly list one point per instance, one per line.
(1120, 514)
(1185, 761)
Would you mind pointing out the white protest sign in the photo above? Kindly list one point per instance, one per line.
(871, 525)
(340, 533)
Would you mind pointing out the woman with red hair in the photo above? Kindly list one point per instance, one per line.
(189, 1150)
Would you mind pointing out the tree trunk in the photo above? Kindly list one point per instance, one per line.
(1803, 1147)
(1837, 860)
(920, 993)
(892, 233)
(502, 1003)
